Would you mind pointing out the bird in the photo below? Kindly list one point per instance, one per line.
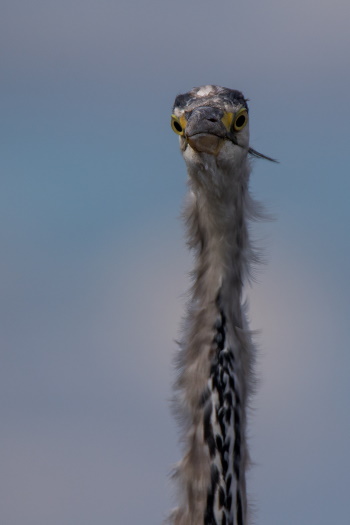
(215, 360)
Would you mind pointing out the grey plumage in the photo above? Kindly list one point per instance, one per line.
(216, 355)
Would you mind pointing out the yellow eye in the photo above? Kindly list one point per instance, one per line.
(241, 119)
(178, 124)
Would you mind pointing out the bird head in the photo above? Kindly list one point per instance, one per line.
(212, 120)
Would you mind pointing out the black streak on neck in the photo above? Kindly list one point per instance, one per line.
(228, 415)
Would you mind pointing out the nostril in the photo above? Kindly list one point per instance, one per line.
(212, 119)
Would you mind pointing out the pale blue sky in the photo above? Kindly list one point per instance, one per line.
(94, 267)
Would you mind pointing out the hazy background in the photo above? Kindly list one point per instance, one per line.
(93, 263)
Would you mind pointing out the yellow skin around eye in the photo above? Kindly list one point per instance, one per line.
(181, 122)
(239, 114)
(227, 120)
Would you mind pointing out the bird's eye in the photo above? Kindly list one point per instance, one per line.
(176, 125)
(241, 120)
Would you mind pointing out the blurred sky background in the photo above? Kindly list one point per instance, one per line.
(94, 266)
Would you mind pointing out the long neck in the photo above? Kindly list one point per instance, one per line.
(215, 359)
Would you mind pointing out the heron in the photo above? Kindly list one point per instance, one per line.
(216, 352)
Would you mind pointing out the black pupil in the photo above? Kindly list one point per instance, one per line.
(240, 121)
(177, 126)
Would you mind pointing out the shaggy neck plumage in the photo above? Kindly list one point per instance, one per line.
(216, 351)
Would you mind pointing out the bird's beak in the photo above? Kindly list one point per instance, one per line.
(206, 143)
(205, 130)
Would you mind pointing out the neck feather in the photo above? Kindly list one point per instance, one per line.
(216, 215)
(216, 352)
